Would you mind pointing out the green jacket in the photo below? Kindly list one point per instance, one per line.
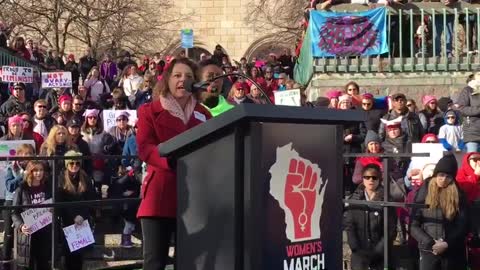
(221, 107)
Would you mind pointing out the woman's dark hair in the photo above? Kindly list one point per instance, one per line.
(16, 44)
(372, 167)
(352, 83)
(161, 88)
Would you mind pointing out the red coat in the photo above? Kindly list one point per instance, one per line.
(156, 125)
(467, 180)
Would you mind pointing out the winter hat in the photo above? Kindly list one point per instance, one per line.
(16, 119)
(345, 98)
(390, 124)
(372, 136)
(443, 103)
(72, 153)
(334, 93)
(91, 112)
(429, 136)
(450, 113)
(119, 114)
(367, 96)
(427, 99)
(447, 164)
(64, 98)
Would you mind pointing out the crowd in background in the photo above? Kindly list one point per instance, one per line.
(68, 122)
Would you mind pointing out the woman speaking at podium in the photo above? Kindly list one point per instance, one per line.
(172, 111)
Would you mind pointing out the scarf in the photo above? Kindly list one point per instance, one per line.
(170, 104)
(40, 127)
(239, 100)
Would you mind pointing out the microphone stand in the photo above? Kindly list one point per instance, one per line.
(245, 77)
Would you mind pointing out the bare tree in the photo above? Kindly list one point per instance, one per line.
(140, 26)
(283, 17)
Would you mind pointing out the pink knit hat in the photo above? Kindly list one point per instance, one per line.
(345, 98)
(367, 96)
(334, 93)
(64, 98)
(16, 119)
(427, 99)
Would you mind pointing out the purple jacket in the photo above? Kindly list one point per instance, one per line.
(108, 71)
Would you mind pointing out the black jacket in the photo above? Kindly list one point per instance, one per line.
(428, 225)
(68, 214)
(469, 107)
(13, 107)
(364, 227)
(373, 119)
(85, 150)
(85, 65)
(73, 68)
(22, 197)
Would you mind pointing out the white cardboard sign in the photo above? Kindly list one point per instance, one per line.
(17, 74)
(78, 236)
(37, 218)
(61, 79)
(109, 120)
(288, 97)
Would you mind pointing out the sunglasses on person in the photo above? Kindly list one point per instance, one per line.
(77, 104)
(122, 119)
(409, 105)
(370, 177)
(75, 163)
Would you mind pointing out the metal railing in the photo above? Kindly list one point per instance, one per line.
(8, 58)
(418, 52)
(386, 204)
(54, 185)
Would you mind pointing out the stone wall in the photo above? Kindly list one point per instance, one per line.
(413, 85)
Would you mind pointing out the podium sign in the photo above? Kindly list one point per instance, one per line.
(260, 187)
(302, 197)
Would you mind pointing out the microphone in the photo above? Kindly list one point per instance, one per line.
(190, 86)
(193, 87)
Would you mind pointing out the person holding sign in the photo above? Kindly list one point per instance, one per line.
(172, 111)
(74, 184)
(15, 174)
(33, 249)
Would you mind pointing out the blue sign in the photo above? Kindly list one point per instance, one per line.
(187, 38)
(348, 34)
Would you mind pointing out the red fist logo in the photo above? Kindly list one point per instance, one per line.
(300, 196)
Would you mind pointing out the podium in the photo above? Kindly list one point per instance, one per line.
(260, 188)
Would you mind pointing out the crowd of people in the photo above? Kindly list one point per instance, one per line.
(445, 234)
(68, 122)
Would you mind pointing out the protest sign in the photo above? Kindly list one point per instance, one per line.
(288, 97)
(61, 79)
(78, 236)
(8, 149)
(37, 218)
(17, 74)
(435, 150)
(109, 120)
(186, 36)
